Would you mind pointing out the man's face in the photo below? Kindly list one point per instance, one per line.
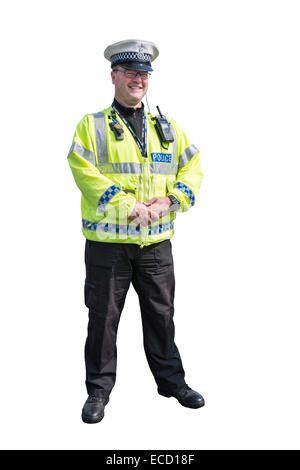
(129, 90)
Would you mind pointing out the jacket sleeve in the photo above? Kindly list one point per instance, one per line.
(189, 176)
(103, 195)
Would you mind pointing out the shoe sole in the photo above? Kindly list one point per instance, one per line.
(87, 420)
(192, 406)
(167, 395)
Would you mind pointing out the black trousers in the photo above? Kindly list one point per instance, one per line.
(110, 268)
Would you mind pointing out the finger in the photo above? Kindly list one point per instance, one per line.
(144, 222)
(150, 201)
(143, 218)
(154, 216)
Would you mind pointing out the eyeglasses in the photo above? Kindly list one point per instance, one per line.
(132, 74)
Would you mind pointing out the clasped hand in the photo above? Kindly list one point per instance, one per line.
(145, 213)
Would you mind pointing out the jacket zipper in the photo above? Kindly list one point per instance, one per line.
(146, 187)
(145, 178)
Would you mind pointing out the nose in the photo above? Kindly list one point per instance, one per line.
(138, 77)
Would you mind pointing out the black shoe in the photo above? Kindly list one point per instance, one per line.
(187, 397)
(93, 410)
(190, 398)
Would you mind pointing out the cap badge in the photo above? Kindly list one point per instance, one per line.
(140, 54)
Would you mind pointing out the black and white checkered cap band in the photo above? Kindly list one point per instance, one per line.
(130, 56)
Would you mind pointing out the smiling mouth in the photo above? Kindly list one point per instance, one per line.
(135, 87)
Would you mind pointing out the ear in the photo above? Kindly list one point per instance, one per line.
(113, 76)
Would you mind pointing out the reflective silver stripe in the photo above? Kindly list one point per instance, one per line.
(129, 167)
(163, 168)
(101, 140)
(85, 153)
(189, 152)
(174, 154)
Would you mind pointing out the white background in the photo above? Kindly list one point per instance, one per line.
(228, 72)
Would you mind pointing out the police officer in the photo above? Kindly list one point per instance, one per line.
(135, 171)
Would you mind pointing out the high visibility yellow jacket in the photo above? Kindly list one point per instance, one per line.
(112, 175)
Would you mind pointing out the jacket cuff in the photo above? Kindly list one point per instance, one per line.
(184, 206)
(184, 194)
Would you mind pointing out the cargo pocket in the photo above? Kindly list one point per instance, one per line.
(163, 253)
(100, 255)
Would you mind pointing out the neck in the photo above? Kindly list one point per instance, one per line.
(128, 105)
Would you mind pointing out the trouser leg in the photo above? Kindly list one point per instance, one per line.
(106, 287)
(154, 282)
